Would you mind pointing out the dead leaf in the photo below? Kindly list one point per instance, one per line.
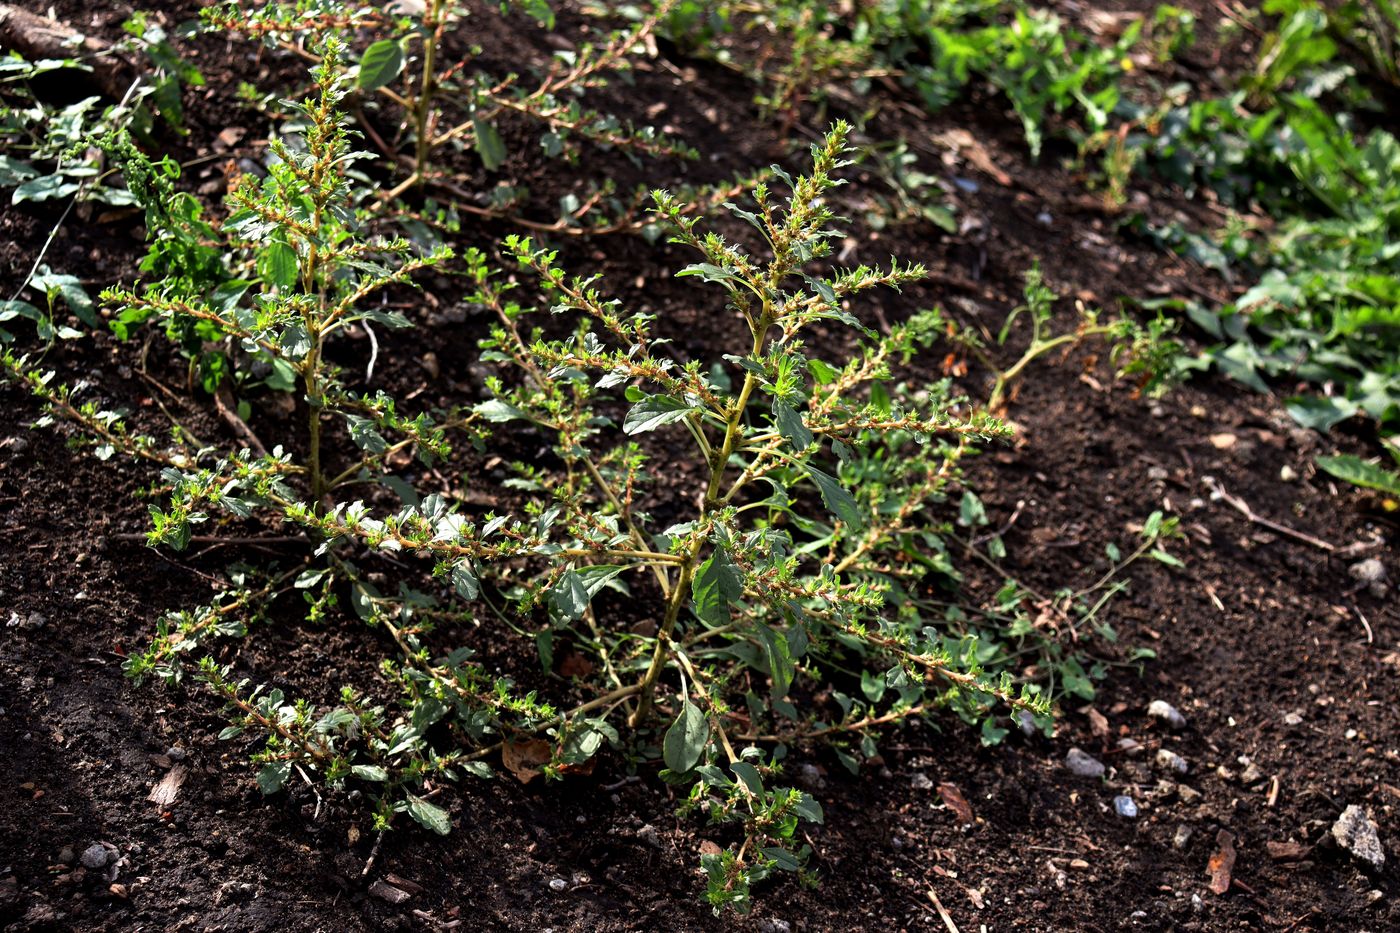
(575, 665)
(966, 145)
(954, 800)
(709, 848)
(1222, 863)
(165, 792)
(1287, 851)
(524, 759)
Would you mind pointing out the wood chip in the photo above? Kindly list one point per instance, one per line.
(412, 887)
(954, 800)
(385, 891)
(1287, 851)
(165, 792)
(1222, 863)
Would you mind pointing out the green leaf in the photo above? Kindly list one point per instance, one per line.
(570, 596)
(1352, 469)
(497, 411)
(749, 775)
(278, 264)
(653, 412)
(808, 808)
(779, 656)
(464, 581)
(790, 426)
(489, 144)
(841, 503)
(363, 433)
(686, 739)
(715, 587)
(370, 773)
(429, 815)
(1163, 557)
(273, 775)
(380, 64)
(44, 189)
(1320, 412)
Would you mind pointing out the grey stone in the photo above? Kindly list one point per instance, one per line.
(97, 857)
(1082, 764)
(1183, 835)
(921, 781)
(1355, 832)
(557, 884)
(1125, 807)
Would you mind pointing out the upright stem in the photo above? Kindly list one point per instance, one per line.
(422, 107)
(313, 426)
(718, 461)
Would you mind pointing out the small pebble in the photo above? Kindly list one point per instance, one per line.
(1164, 711)
(1082, 764)
(175, 753)
(1026, 720)
(1129, 746)
(1251, 774)
(66, 855)
(1125, 807)
(96, 856)
(1355, 832)
(1292, 719)
(1287, 473)
(557, 884)
(1171, 761)
(921, 781)
(1183, 836)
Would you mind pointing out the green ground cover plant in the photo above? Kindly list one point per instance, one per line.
(800, 589)
(814, 481)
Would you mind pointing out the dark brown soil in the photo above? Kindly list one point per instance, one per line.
(1274, 653)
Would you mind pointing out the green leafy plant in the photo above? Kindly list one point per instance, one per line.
(1144, 352)
(443, 102)
(813, 480)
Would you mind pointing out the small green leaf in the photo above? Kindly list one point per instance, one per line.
(380, 64)
(685, 740)
(791, 426)
(841, 503)
(277, 264)
(273, 775)
(429, 815)
(749, 775)
(716, 586)
(489, 144)
(370, 773)
(497, 411)
(652, 412)
(808, 808)
(464, 581)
